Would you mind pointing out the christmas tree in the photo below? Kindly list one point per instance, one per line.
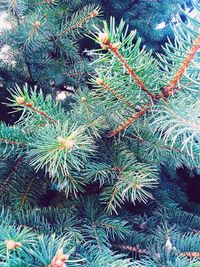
(93, 181)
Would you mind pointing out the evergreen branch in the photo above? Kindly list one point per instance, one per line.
(129, 182)
(27, 190)
(135, 249)
(49, 2)
(78, 74)
(69, 183)
(106, 258)
(196, 126)
(78, 24)
(35, 28)
(128, 122)
(102, 84)
(191, 254)
(40, 112)
(115, 228)
(147, 140)
(16, 7)
(178, 126)
(114, 48)
(188, 245)
(60, 147)
(169, 89)
(114, 198)
(13, 171)
(13, 139)
(129, 70)
(130, 86)
(9, 142)
(184, 218)
(141, 140)
(94, 227)
(33, 101)
(14, 4)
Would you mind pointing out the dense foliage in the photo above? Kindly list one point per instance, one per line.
(109, 154)
(151, 18)
(43, 44)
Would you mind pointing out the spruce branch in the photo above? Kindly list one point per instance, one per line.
(106, 87)
(58, 253)
(27, 191)
(191, 254)
(114, 227)
(135, 249)
(33, 36)
(81, 22)
(94, 227)
(60, 148)
(11, 174)
(130, 180)
(138, 250)
(21, 102)
(15, 7)
(129, 70)
(69, 145)
(10, 142)
(42, 113)
(177, 128)
(105, 42)
(32, 103)
(13, 140)
(49, 2)
(170, 89)
(128, 122)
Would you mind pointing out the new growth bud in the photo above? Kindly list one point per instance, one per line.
(20, 100)
(11, 244)
(65, 143)
(37, 24)
(59, 259)
(99, 81)
(104, 39)
(116, 46)
(94, 13)
(83, 99)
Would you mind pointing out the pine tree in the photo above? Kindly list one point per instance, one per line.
(111, 154)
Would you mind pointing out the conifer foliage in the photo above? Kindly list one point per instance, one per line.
(43, 43)
(108, 151)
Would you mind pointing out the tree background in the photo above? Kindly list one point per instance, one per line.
(104, 160)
